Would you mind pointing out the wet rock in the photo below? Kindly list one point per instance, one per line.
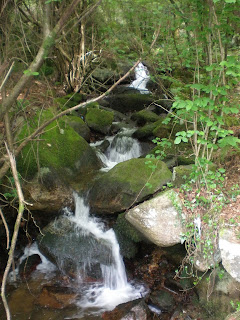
(68, 249)
(79, 126)
(29, 265)
(124, 185)
(56, 297)
(50, 195)
(136, 309)
(163, 300)
(99, 120)
(144, 116)
(126, 103)
(158, 219)
(230, 252)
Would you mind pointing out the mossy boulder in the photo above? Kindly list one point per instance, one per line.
(79, 126)
(99, 120)
(144, 116)
(69, 101)
(126, 103)
(145, 132)
(59, 148)
(181, 174)
(125, 184)
(105, 75)
(127, 236)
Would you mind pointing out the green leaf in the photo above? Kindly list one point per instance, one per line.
(177, 140)
(229, 140)
(230, 1)
(30, 73)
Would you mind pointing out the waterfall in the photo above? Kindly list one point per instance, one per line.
(141, 79)
(114, 288)
(122, 148)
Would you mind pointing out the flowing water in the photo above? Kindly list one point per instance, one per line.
(122, 148)
(141, 79)
(92, 297)
(114, 288)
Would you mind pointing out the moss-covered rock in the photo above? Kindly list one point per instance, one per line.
(127, 236)
(145, 131)
(124, 185)
(145, 116)
(69, 101)
(79, 126)
(59, 148)
(99, 120)
(126, 103)
(181, 174)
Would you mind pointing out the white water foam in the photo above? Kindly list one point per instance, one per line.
(141, 79)
(45, 267)
(122, 148)
(115, 288)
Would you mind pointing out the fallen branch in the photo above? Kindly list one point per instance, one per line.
(16, 229)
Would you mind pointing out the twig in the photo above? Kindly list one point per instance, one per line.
(7, 75)
(15, 233)
(6, 227)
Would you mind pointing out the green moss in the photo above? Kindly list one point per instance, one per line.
(231, 121)
(58, 147)
(127, 236)
(125, 184)
(181, 174)
(144, 116)
(99, 120)
(125, 228)
(145, 132)
(123, 172)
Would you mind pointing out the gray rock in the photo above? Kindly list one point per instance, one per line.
(158, 219)
(230, 251)
(68, 248)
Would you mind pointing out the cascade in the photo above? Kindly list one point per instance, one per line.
(141, 79)
(114, 288)
(122, 148)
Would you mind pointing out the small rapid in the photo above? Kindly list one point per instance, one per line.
(142, 77)
(122, 147)
(113, 288)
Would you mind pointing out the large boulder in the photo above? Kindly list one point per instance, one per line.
(144, 116)
(126, 103)
(73, 250)
(79, 126)
(159, 219)
(47, 193)
(59, 148)
(99, 120)
(230, 251)
(125, 184)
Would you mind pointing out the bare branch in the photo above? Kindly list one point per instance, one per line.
(15, 233)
